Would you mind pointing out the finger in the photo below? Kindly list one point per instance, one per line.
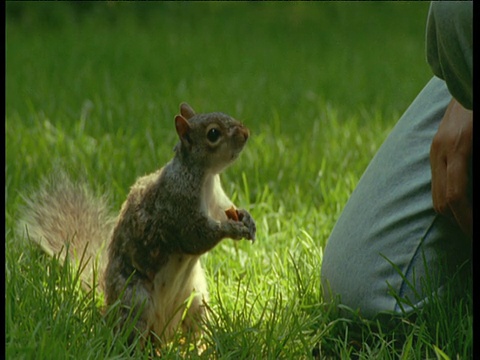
(464, 218)
(457, 193)
(439, 181)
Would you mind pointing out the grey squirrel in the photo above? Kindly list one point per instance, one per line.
(148, 256)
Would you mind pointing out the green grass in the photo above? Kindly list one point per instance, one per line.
(95, 87)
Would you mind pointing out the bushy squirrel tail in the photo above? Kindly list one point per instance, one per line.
(63, 216)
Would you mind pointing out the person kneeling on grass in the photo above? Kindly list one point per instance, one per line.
(407, 226)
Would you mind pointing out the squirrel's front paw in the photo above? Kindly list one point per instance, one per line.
(247, 219)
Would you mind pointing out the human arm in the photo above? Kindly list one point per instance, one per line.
(449, 48)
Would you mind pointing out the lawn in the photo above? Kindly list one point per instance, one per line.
(93, 88)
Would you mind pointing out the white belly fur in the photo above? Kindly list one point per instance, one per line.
(173, 288)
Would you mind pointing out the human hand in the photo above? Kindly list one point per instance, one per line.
(450, 155)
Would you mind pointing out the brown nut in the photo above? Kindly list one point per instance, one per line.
(232, 214)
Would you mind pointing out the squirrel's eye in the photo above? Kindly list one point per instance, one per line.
(213, 134)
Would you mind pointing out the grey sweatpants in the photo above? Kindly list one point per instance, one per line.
(389, 220)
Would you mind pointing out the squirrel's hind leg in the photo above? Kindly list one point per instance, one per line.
(136, 310)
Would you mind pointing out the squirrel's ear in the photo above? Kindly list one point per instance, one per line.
(183, 128)
(186, 110)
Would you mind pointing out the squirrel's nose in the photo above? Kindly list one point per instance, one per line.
(244, 131)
